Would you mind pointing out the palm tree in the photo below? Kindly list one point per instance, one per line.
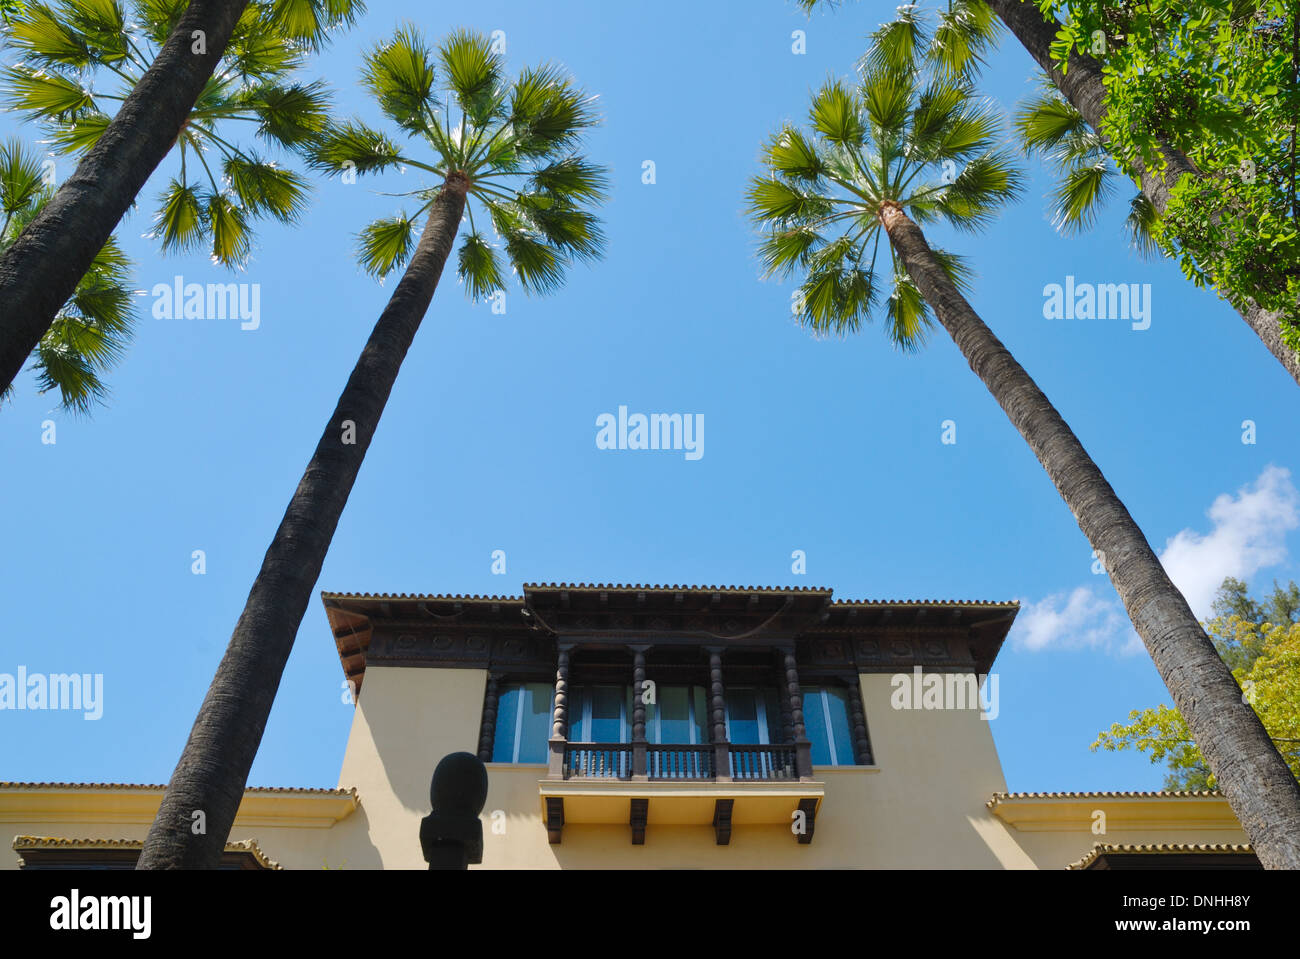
(91, 330)
(507, 147)
(1049, 125)
(1083, 86)
(894, 152)
(254, 43)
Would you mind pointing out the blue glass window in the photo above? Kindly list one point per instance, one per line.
(826, 721)
(523, 723)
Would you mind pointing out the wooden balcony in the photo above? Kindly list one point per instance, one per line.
(674, 763)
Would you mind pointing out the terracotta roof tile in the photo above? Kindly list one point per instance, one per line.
(1158, 794)
(1109, 848)
(21, 843)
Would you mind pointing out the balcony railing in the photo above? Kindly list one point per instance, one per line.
(766, 763)
(674, 763)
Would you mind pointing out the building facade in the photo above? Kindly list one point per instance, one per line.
(667, 727)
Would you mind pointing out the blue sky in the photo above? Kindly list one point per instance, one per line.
(832, 447)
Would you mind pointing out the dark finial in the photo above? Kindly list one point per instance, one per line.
(451, 836)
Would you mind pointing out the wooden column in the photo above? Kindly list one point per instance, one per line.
(802, 747)
(858, 717)
(560, 718)
(718, 704)
(488, 729)
(639, 744)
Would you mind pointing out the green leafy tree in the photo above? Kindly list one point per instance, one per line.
(895, 151)
(508, 147)
(1261, 642)
(1215, 81)
(155, 100)
(90, 332)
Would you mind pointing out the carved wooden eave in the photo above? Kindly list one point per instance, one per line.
(520, 635)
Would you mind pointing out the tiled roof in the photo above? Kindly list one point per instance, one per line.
(249, 789)
(427, 597)
(1012, 604)
(665, 588)
(1158, 794)
(1108, 848)
(50, 842)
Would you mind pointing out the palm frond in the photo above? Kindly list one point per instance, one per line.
(20, 178)
(264, 188)
(537, 265)
(42, 93)
(228, 224)
(548, 113)
(400, 74)
(385, 244)
(351, 145)
(479, 266)
(178, 222)
(1141, 224)
(792, 154)
(473, 73)
(834, 115)
(1080, 194)
(896, 46)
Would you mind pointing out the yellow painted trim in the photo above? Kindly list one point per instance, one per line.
(757, 803)
(1073, 813)
(135, 806)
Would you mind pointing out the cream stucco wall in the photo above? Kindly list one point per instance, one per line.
(925, 804)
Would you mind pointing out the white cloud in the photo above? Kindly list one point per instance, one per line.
(1079, 619)
(1248, 533)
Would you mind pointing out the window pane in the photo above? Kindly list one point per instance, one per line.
(536, 728)
(742, 716)
(701, 715)
(606, 714)
(773, 709)
(837, 701)
(814, 724)
(674, 716)
(503, 745)
(577, 731)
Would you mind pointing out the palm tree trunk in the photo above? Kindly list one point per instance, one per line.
(1083, 87)
(42, 268)
(1257, 782)
(213, 768)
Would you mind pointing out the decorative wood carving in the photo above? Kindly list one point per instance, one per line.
(554, 819)
(722, 821)
(488, 727)
(640, 813)
(809, 809)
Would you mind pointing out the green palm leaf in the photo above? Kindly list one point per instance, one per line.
(385, 245)
(400, 74)
(178, 222)
(231, 243)
(352, 146)
(262, 187)
(479, 267)
(473, 73)
(44, 94)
